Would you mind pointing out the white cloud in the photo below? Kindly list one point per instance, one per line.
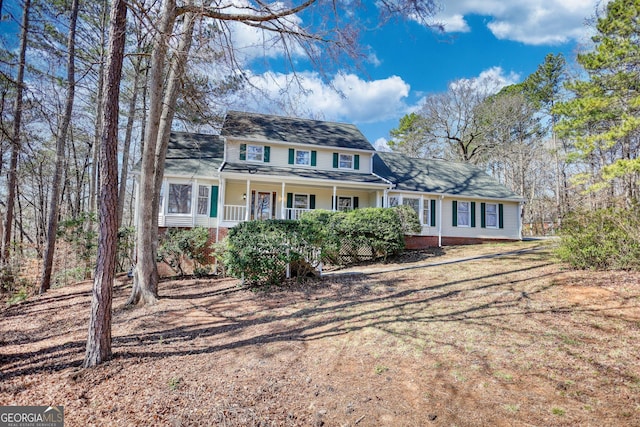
(346, 98)
(492, 80)
(381, 144)
(534, 22)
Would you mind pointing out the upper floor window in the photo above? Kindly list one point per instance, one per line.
(179, 199)
(303, 157)
(345, 161)
(254, 153)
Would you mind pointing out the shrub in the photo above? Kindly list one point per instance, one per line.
(179, 245)
(259, 251)
(602, 239)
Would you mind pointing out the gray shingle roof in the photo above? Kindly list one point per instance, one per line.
(439, 176)
(194, 154)
(294, 130)
(266, 169)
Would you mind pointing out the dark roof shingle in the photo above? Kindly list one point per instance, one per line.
(242, 125)
(439, 176)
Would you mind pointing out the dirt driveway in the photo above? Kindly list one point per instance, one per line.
(459, 336)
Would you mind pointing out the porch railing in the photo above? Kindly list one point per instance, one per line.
(294, 213)
(235, 213)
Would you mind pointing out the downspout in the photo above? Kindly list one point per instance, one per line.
(440, 220)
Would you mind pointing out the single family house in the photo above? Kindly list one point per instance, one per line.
(265, 166)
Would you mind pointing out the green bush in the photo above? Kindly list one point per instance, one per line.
(602, 239)
(260, 251)
(179, 245)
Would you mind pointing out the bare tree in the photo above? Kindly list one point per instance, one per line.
(336, 35)
(99, 338)
(16, 137)
(45, 281)
(453, 123)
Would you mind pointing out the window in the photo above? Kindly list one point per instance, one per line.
(303, 157)
(414, 203)
(179, 199)
(464, 214)
(491, 215)
(345, 203)
(203, 199)
(255, 153)
(426, 213)
(394, 201)
(301, 201)
(345, 161)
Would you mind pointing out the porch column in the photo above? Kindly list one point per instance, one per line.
(385, 200)
(282, 205)
(222, 182)
(421, 211)
(247, 201)
(334, 201)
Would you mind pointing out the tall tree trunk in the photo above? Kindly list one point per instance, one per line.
(145, 278)
(127, 139)
(45, 282)
(94, 180)
(12, 181)
(154, 153)
(99, 337)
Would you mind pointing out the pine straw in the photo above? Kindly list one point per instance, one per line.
(511, 340)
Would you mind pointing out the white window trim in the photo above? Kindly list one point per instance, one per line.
(468, 214)
(261, 147)
(293, 202)
(208, 201)
(167, 197)
(340, 163)
(295, 157)
(497, 213)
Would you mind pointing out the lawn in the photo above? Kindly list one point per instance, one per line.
(490, 335)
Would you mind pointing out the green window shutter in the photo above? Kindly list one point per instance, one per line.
(454, 208)
(312, 201)
(243, 151)
(289, 200)
(314, 156)
(213, 213)
(432, 212)
(483, 210)
(473, 214)
(335, 160)
(501, 215)
(267, 154)
(292, 154)
(355, 203)
(356, 162)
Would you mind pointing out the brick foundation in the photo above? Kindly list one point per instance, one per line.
(424, 242)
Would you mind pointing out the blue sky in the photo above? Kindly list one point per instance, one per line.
(504, 40)
(500, 39)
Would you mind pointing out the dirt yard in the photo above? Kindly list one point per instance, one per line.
(491, 335)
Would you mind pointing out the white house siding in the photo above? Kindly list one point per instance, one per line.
(191, 219)
(279, 156)
(510, 218)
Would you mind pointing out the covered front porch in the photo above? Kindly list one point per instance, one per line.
(246, 199)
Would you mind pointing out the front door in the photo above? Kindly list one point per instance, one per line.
(263, 206)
